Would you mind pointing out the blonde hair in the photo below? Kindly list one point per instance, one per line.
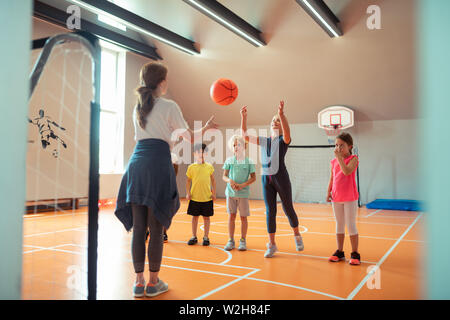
(235, 138)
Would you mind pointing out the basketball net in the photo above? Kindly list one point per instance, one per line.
(332, 132)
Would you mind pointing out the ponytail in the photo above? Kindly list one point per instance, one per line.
(144, 105)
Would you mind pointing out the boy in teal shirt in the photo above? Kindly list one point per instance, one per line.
(239, 173)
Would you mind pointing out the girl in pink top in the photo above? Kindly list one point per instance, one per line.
(343, 194)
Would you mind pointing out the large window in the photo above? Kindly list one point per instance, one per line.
(112, 110)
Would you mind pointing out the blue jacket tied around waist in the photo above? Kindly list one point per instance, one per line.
(149, 181)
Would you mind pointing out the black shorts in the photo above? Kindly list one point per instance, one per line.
(196, 208)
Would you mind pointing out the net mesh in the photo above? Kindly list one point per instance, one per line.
(332, 132)
(55, 225)
(309, 171)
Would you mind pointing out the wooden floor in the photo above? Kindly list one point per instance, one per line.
(54, 257)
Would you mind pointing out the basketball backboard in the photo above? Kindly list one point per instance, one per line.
(336, 117)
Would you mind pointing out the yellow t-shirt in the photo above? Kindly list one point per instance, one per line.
(200, 174)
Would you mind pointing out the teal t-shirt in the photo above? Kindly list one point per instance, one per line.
(239, 171)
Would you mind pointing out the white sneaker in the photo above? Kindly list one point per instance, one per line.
(299, 243)
(271, 249)
(230, 245)
(242, 245)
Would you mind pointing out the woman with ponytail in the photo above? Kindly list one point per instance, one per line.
(148, 195)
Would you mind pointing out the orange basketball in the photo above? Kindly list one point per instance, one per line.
(223, 91)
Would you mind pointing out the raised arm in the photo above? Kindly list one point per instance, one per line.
(284, 123)
(248, 138)
(189, 134)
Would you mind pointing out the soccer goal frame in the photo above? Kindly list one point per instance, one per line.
(329, 147)
(91, 42)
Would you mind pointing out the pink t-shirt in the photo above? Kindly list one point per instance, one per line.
(344, 187)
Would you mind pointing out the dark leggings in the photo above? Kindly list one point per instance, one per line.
(143, 217)
(280, 184)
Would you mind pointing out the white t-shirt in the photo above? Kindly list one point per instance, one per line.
(165, 118)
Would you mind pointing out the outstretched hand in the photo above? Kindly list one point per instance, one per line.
(210, 124)
(281, 108)
(244, 112)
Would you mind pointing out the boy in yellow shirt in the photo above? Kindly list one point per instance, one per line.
(199, 181)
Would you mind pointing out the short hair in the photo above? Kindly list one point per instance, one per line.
(200, 146)
(234, 138)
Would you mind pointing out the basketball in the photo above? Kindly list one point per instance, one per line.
(223, 91)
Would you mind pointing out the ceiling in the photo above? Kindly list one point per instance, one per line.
(371, 71)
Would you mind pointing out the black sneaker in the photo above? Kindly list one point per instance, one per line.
(146, 235)
(165, 237)
(355, 259)
(192, 241)
(205, 241)
(337, 256)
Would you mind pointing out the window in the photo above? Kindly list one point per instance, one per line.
(112, 89)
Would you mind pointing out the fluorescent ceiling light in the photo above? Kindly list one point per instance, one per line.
(111, 22)
(253, 39)
(322, 15)
(320, 18)
(130, 25)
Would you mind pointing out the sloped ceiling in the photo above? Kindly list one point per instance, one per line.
(371, 71)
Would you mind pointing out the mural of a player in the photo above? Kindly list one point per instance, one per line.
(44, 124)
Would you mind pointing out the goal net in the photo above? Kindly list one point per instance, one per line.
(309, 170)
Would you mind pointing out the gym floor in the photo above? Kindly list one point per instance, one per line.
(54, 257)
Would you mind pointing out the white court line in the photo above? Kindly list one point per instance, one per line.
(383, 215)
(54, 248)
(386, 255)
(297, 287)
(258, 228)
(369, 237)
(318, 219)
(260, 250)
(226, 285)
(239, 278)
(306, 230)
(326, 214)
(230, 256)
(306, 255)
(32, 215)
(332, 219)
(57, 231)
(211, 263)
(56, 215)
(369, 215)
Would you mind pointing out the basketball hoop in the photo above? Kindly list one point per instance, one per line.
(335, 119)
(332, 132)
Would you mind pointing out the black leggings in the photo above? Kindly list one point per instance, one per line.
(144, 218)
(280, 184)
